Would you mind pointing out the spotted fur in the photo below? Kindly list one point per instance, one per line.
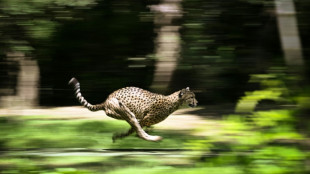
(138, 107)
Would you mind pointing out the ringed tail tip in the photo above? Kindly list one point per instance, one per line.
(73, 81)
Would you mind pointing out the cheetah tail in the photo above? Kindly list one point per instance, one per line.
(77, 91)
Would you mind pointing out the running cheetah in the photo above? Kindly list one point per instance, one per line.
(139, 107)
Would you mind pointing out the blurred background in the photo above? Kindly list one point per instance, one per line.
(246, 60)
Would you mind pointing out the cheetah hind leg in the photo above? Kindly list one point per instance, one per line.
(116, 136)
(122, 135)
(132, 120)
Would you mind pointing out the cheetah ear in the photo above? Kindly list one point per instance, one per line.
(182, 93)
(187, 89)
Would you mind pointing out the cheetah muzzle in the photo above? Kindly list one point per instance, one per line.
(139, 107)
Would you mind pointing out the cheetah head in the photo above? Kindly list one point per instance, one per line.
(188, 97)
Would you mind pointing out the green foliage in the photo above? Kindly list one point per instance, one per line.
(250, 143)
(274, 88)
(16, 7)
(277, 159)
(40, 29)
(271, 118)
(67, 171)
(32, 20)
(258, 142)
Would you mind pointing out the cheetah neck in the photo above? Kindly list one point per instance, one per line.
(175, 100)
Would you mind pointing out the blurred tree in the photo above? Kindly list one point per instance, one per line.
(167, 43)
(26, 91)
(211, 46)
(23, 24)
(106, 47)
(289, 34)
(222, 43)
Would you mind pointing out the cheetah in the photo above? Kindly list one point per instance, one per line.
(139, 107)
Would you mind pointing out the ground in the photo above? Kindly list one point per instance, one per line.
(73, 140)
(182, 119)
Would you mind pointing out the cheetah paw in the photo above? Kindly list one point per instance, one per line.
(154, 138)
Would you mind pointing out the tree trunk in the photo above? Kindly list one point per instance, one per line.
(27, 83)
(289, 35)
(168, 44)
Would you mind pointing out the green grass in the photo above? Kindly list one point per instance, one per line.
(240, 145)
(25, 133)
(21, 136)
(173, 170)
